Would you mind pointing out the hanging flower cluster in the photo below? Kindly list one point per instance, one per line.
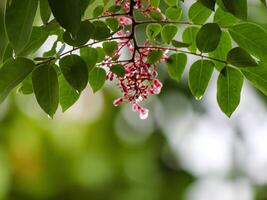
(140, 77)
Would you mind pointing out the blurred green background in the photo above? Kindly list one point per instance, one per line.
(186, 150)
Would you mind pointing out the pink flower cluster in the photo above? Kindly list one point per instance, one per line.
(140, 79)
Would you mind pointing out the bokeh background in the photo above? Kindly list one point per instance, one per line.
(185, 150)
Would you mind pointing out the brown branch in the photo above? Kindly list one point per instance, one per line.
(186, 52)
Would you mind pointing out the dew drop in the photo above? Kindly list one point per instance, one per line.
(199, 98)
(49, 117)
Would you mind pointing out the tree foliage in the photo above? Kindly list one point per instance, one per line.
(98, 32)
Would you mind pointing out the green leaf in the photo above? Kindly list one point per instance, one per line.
(221, 51)
(152, 30)
(208, 3)
(171, 2)
(98, 11)
(67, 95)
(19, 18)
(68, 14)
(114, 8)
(75, 71)
(154, 56)
(189, 36)
(240, 58)
(110, 47)
(83, 35)
(100, 54)
(257, 76)
(37, 39)
(46, 89)
(97, 78)
(229, 86)
(3, 38)
(12, 73)
(155, 15)
(45, 11)
(85, 4)
(224, 19)
(155, 3)
(118, 70)
(90, 56)
(173, 13)
(168, 32)
(113, 24)
(26, 86)
(199, 76)
(101, 31)
(8, 53)
(238, 8)
(198, 13)
(176, 64)
(250, 37)
(208, 37)
(179, 44)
